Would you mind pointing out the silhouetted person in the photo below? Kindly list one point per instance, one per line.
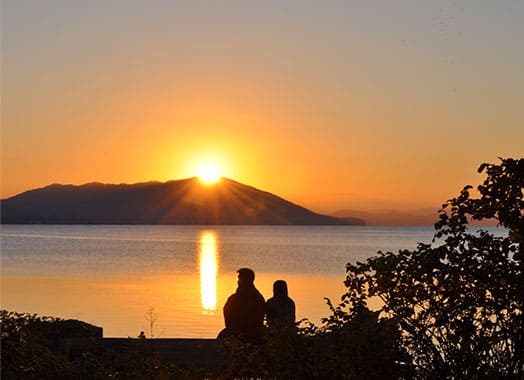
(280, 308)
(244, 311)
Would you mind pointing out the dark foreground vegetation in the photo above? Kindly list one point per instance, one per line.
(450, 310)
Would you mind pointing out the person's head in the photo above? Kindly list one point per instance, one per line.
(280, 288)
(245, 276)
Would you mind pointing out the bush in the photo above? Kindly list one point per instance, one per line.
(345, 347)
(27, 353)
(459, 304)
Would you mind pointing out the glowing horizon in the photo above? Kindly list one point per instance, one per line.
(334, 107)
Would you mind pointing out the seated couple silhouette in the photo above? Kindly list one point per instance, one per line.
(245, 310)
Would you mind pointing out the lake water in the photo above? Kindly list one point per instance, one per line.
(111, 276)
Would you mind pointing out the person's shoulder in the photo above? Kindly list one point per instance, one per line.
(259, 295)
(253, 290)
(231, 298)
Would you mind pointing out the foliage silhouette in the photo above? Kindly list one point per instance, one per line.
(458, 300)
(353, 348)
(28, 353)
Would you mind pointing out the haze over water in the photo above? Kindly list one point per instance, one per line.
(111, 275)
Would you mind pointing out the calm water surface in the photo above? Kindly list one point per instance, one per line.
(112, 275)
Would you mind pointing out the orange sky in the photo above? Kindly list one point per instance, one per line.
(346, 106)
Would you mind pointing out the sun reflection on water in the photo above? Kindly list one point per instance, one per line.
(208, 271)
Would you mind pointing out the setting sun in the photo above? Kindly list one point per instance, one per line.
(208, 174)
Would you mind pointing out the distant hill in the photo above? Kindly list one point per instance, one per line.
(185, 201)
(420, 217)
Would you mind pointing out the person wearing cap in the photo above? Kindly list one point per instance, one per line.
(244, 310)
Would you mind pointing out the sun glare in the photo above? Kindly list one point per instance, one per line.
(208, 174)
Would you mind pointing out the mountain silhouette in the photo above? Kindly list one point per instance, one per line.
(186, 201)
(415, 217)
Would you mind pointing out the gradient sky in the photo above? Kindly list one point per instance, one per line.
(333, 104)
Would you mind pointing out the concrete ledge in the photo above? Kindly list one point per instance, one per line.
(71, 337)
(205, 353)
(74, 338)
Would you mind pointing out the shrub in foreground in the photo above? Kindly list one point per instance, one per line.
(458, 301)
